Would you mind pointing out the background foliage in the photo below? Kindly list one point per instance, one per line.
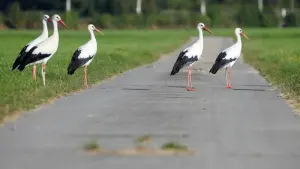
(26, 14)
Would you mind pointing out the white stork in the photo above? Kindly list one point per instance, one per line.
(190, 55)
(228, 57)
(43, 51)
(34, 42)
(84, 55)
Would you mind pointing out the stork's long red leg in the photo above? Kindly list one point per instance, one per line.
(34, 72)
(229, 79)
(85, 77)
(191, 78)
(190, 88)
(226, 76)
(44, 74)
(188, 74)
(230, 72)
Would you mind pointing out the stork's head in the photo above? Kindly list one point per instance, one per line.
(57, 18)
(203, 27)
(46, 18)
(91, 27)
(240, 31)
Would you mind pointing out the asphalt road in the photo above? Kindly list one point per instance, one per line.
(247, 127)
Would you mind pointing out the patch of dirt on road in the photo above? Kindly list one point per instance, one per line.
(141, 151)
(141, 147)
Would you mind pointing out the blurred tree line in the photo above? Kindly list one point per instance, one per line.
(155, 13)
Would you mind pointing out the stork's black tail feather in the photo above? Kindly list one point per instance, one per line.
(214, 69)
(27, 58)
(72, 68)
(75, 62)
(16, 63)
(21, 55)
(21, 67)
(179, 63)
(219, 63)
(177, 66)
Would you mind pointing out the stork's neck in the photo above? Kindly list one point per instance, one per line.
(238, 37)
(45, 29)
(55, 28)
(92, 34)
(200, 40)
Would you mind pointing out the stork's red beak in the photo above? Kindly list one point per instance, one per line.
(63, 23)
(244, 35)
(97, 30)
(49, 20)
(206, 29)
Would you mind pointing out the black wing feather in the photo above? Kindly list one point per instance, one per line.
(20, 57)
(220, 62)
(181, 61)
(77, 62)
(31, 58)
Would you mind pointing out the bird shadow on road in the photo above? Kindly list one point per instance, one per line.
(256, 90)
(135, 89)
(177, 86)
(257, 85)
(178, 97)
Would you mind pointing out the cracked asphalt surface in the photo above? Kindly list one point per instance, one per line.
(247, 127)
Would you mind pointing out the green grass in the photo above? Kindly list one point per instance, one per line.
(173, 146)
(91, 146)
(276, 54)
(142, 139)
(118, 51)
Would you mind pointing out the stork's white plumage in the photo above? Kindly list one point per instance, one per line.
(84, 55)
(190, 55)
(25, 50)
(228, 57)
(43, 51)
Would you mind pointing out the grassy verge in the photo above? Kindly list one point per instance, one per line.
(276, 54)
(118, 51)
